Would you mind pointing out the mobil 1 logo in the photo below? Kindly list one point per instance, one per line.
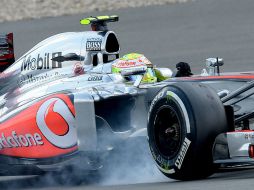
(41, 62)
(93, 44)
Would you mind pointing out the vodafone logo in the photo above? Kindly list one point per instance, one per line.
(56, 122)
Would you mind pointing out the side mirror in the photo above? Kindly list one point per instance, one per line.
(213, 65)
(138, 71)
(163, 73)
(133, 71)
(214, 62)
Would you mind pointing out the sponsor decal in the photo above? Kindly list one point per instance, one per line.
(41, 62)
(183, 151)
(124, 64)
(56, 122)
(30, 78)
(16, 140)
(93, 44)
(248, 136)
(43, 130)
(94, 78)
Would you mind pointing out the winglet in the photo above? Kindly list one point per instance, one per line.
(99, 23)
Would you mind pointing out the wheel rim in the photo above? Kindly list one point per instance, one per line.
(167, 131)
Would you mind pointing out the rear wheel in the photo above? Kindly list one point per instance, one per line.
(184, 120)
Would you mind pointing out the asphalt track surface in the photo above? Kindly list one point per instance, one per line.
(189, 32)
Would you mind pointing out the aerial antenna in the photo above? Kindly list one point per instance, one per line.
(99, 23)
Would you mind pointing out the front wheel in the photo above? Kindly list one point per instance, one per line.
(184, 119)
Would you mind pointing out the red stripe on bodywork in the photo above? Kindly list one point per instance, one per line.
(220, 77)
(241, 131)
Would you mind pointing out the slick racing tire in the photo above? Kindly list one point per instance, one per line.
(184, 119)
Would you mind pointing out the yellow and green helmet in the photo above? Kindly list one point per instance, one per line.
(132, 61)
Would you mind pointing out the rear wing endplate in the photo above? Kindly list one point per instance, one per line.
(6, 51)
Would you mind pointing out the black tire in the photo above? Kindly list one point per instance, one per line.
(184, 119)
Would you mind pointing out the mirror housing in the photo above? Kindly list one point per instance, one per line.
(138, 71)
(163, 73)
(213, 65)
(133, 71)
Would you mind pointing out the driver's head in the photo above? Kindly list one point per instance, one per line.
(133, 61)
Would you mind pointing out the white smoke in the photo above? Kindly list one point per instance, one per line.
(132, 164)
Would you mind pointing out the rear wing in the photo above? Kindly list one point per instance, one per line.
(6, 51)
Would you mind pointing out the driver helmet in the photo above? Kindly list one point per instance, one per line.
(132, 61)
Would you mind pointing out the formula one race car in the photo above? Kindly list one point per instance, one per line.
(70, 100)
